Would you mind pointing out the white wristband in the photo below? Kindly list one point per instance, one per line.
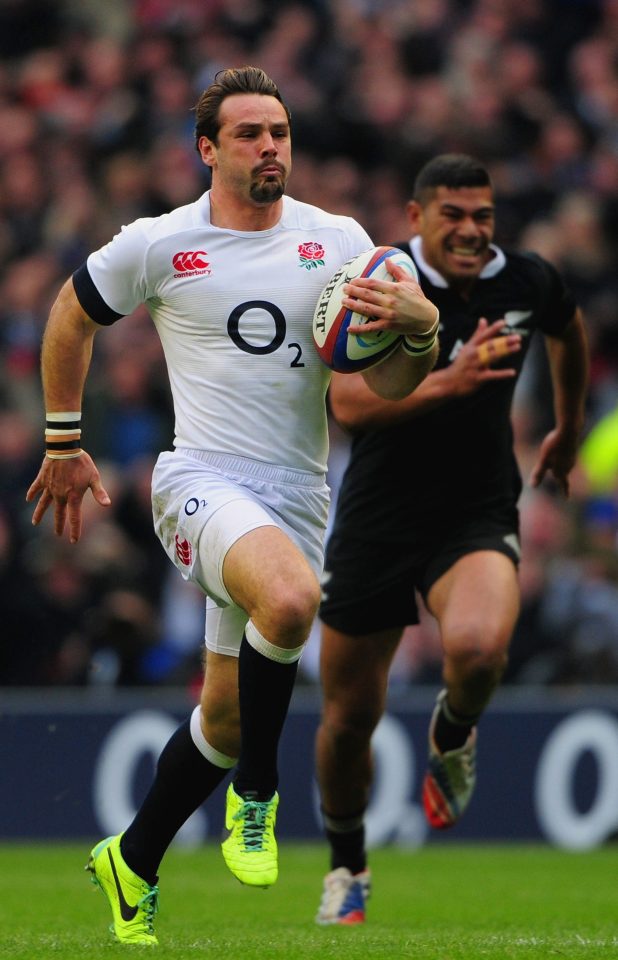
(71, 415)
(63, 456)
(63, 434)
(414, 350)
(420, 339)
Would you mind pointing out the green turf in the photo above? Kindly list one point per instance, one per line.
(446, 902)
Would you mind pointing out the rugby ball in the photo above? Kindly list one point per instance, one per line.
(346, 352)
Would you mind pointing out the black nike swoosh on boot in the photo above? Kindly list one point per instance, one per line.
(127, 912)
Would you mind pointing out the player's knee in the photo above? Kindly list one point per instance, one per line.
(478, 659)
(289, 612)
(350, 726)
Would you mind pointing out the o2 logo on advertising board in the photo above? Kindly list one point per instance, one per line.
(393, 816)
(592, 732)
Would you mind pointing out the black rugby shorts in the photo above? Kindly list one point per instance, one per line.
(370, 586)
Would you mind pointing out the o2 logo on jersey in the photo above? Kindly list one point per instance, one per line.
(233, 329)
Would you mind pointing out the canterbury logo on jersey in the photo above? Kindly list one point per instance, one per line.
(183, 551)
(188, 263)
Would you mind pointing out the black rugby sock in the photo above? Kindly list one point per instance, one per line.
(265, 688)
(452, 729)
(184, 779)
(347, 849)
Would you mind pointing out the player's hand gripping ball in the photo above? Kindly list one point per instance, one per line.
(347, 352)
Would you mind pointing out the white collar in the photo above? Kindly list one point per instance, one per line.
(494, 266)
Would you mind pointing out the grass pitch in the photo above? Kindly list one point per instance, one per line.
(442, 902)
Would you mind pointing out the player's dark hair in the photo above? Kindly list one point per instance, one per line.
(452, 170)
(235, 80)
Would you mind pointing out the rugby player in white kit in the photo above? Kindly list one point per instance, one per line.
(231, 282)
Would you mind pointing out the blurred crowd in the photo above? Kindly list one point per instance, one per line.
(96, 129)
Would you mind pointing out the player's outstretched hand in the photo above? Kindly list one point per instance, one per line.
(557, 455)
(472, 367)
(63, 483)
(398, 304)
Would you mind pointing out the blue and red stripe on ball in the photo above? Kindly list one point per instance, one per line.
(340, 350)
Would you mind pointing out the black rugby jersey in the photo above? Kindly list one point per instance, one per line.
(433, 468)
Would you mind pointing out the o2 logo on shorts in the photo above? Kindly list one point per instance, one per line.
(184, 551)
(193, 505)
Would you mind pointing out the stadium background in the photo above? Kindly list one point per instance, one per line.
(96, 130)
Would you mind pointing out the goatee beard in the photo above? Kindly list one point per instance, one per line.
(268, 192)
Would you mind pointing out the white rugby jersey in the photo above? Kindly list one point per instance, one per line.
(234, 313)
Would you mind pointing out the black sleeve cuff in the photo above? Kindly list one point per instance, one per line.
(91, 300)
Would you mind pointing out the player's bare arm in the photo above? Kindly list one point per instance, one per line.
(65, 360)
(569, 362)
(395, 378)
(356, 407)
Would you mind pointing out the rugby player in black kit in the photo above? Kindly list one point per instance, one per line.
(429, 502)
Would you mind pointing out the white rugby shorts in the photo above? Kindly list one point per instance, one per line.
(204, 502)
